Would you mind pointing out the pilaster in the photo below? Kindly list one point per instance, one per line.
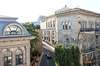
(28, 55)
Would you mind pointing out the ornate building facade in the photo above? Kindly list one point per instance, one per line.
(77, 27)
(14, 43)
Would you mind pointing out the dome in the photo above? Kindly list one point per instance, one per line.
(5, 26)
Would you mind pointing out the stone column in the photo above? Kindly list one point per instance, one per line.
(13, 58)
(24, 56)
(65, 25)
(2, 59)
(81, 59)
(28, 55)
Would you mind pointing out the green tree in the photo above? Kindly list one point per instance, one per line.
(77, 56)
(67, 56)
(31, 31)
(33, 26)
(37, 26)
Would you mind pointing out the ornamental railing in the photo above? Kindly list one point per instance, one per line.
(97, 29)
(86, 29)
(87, 50)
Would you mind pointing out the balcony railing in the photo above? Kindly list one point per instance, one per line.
(87, 50)
(97, 29)
(86, 29)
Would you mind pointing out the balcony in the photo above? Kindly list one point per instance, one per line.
(86, 29)
(87, 50)
(97, 29)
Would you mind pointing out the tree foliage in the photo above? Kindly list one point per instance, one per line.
(31, 31)
(35, 26)
(67, 56)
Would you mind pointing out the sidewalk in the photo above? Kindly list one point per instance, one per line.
(37, 63)
(48, 45)
(40, 59)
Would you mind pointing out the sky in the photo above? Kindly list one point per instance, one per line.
(30, 10)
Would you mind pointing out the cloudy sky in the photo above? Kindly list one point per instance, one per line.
(30, 10)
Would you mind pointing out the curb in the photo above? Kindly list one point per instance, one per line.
(40, 59)
(49, 46)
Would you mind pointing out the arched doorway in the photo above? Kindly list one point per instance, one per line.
(67, 42)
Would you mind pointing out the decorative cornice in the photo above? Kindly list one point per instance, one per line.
(16, 39)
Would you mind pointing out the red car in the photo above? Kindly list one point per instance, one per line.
(48, 56)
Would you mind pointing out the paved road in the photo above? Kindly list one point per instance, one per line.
(45, 61)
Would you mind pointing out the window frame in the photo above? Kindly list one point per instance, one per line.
(69, 24)
(63, 25)
(66, 25)
(22, 31)
(67, 41)
(15, 31)
(7, 57)
(18, 59)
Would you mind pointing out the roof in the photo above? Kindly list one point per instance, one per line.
(3, 24)
(2, 17)
(63, 9)
(86, 11)
(66, 9)
(48, 16)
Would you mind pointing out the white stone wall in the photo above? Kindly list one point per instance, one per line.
(12, 46)
(77, 19)
(71, 33)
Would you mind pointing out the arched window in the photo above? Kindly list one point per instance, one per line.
(67, 42)
(63, 25)
(13, 30)
(66, 24)
(7, 59)
(69, 25)
(19, 57)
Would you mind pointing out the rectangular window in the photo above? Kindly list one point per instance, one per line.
(63, 25)
(66, 24)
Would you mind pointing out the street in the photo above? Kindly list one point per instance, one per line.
(44, 60)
